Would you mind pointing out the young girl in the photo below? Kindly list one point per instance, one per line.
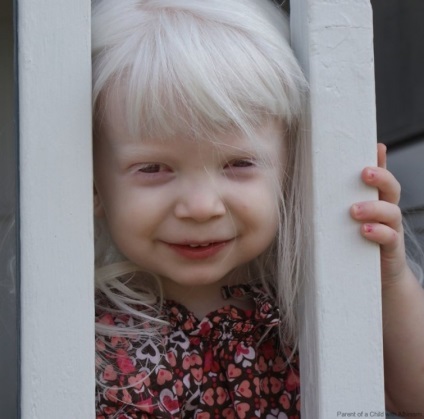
(199, 156)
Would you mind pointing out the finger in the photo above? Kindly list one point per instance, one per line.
(388, 186)
(381, 155)
(378, 212)
(386, 237)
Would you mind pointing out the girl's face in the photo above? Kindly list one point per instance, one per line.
(191, 211)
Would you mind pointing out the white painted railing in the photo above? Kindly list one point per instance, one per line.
(341, 347)
(57, 317)
(341, 344)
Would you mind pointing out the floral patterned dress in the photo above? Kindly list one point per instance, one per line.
(228, 365)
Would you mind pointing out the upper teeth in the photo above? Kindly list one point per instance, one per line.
(199, 245)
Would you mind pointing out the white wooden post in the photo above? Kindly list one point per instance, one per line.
(341, 347)
(56, 233)
(341, 341)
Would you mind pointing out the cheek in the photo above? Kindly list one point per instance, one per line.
(135, 214)
(129, 215)
(269, 213)
(260, 208)
(130, 231)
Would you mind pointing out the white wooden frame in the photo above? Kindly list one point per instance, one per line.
(57, 317)
(341, 345)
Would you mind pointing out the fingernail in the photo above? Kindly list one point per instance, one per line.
(368, 228)
(356, 209)
(371, 174)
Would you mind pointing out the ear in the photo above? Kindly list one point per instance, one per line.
(98, 208)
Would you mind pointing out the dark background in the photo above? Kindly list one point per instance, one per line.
(399, 70)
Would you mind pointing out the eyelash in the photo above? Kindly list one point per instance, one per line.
(160, 172)
(156, 167)
(151, 168)
(240, 164)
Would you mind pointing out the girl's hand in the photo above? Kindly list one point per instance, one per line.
(382, 220)
(402, 295)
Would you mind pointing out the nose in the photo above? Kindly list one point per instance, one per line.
(200, 201)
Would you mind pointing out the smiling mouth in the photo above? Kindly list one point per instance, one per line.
(199, 250)
(194, 246)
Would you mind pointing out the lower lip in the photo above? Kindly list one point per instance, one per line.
(198, 253)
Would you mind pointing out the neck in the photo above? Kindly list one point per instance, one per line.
(203, 299)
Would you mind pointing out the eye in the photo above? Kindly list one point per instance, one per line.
(152, 173)
(151, 168)
(240, 163)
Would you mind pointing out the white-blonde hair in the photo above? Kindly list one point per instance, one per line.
(198, 67)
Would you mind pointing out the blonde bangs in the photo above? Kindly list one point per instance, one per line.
(182, 72)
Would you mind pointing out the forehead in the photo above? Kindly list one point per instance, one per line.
(113, 128)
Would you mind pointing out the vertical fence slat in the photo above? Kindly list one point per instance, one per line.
(341, 339)
(57, 339)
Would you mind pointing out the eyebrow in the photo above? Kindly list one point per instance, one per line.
(157, 148)
(129, 152)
